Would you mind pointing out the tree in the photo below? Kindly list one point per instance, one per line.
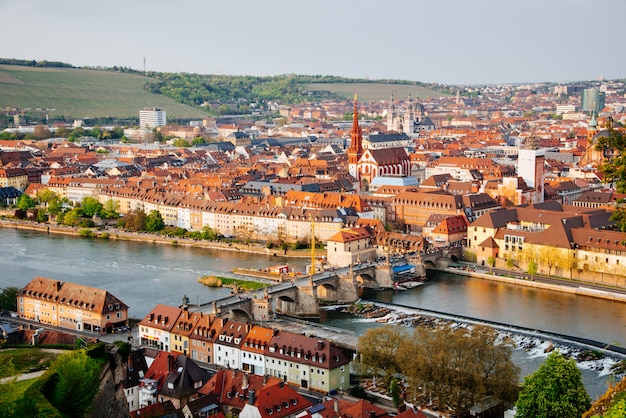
(555, 390)
(78, 381)
(8, 298)
(26, 202)
(110, 209)
(41, 132)
(72, 217)
(181, 143)
(613, 167)
(154, 221)
(91, 206)
(135, 220)
(491, 260)
(461, 366)
(378, 348)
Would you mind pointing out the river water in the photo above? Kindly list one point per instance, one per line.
(143, 275)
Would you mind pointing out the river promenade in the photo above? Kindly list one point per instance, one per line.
(497, 275)
(545, 282)
(113, 233)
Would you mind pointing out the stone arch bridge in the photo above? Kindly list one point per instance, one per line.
(302, 297)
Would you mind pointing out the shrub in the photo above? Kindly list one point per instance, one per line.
(88, 233)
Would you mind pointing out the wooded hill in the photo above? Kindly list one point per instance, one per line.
(65, 92)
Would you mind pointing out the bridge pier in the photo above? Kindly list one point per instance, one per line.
(344, 289)
(299, 301)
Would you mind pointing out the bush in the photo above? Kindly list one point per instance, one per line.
(358, 392)
(86, 223)
(20, 214)
(87, 233)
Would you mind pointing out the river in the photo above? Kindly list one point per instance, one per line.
(143, 275)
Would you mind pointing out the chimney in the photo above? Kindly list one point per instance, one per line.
(265, 377)
(336, 406)
(59, 284)
(170, 362)
(244, 381)
(281, 384)
(251, 397)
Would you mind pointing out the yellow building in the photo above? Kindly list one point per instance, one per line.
(14, 177)
(71, 306)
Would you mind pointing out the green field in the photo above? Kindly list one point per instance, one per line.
(80, 93)
(371, 92)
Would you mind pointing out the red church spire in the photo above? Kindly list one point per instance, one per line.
(356, 135)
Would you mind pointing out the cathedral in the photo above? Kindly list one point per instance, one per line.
(366, 164)
(411, 121)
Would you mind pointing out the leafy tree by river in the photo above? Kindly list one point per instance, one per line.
(555, 390)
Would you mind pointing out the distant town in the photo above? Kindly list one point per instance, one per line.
(506, 178)
(511, 176)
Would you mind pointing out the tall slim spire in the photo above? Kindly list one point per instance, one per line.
(356, 145)
(356, 135)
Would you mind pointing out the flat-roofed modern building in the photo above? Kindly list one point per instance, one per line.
(151, 117)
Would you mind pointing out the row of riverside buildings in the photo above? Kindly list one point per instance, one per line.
(176, 340)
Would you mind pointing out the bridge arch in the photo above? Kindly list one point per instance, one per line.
(327, 291)
(366, 280)
(429, 264)
(239, 314)
(286, 298)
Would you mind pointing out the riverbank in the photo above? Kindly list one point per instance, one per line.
(119, 234)
(576, 288)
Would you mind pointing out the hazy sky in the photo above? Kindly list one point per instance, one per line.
(441, 41)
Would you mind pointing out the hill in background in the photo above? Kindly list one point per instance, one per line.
(79, 93)
(75, 93)
(371, 92)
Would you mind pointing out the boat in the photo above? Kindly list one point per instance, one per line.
(411, 284)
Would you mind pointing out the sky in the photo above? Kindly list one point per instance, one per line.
(458, 42)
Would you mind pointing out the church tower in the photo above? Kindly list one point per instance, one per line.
(592, 130)
(392, 122)
(409, 118)
(356, 144)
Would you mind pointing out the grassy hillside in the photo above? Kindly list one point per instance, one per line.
(81, 93)
(370, 92)
(85, 93)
